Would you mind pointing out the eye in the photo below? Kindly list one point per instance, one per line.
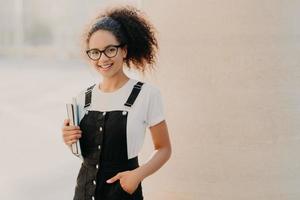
(94, 52)
(111, 50)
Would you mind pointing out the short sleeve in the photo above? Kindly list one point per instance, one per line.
(155, 112)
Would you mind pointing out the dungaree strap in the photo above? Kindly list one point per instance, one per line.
(88, 96)
(134, 93)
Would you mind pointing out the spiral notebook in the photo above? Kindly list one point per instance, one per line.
(72, 111)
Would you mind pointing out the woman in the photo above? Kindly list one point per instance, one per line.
(118, 110)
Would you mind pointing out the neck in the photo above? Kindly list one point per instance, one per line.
(113, 83)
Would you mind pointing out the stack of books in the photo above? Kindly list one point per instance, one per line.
(72, 111)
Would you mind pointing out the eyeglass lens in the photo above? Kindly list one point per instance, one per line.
(109, 52)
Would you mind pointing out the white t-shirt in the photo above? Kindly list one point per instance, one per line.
(146, 111)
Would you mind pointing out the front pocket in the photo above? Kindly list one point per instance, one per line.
(121, 189)
(117, 192)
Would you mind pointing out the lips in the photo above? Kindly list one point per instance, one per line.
(105, 66)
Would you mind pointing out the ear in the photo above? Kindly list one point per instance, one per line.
(124, 49)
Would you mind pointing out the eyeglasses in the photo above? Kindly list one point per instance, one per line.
(110, 52)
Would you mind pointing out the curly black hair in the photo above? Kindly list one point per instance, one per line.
(131, 27)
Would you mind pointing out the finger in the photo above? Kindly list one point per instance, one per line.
(70, 134)
(70, 128)
(70, 142)
(66, 122)
(113, 179)
(71, 137)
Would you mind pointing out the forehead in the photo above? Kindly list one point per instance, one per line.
(101, 39)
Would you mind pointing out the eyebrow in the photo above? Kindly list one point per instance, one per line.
(106, 46)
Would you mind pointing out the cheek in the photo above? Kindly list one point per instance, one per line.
(94, 63)
(118, 59)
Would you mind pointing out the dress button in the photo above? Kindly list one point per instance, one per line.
(99, 146)
(97, 166)
(100, 128)
(103, 113)
(124, 112)
(94, 182)
(93, 198)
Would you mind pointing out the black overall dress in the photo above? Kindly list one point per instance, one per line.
(104, 151)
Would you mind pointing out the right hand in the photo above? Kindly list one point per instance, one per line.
(70, 133)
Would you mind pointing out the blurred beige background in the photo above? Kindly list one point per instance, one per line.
(229, 72)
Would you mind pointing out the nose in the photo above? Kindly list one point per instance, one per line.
(103, 58)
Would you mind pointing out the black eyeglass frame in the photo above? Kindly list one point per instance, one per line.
(103, 51)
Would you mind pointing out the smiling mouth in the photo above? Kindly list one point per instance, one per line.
(105, 66)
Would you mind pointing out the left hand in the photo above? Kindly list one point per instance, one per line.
(129, 180)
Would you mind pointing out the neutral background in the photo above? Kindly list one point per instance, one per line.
(229, 73)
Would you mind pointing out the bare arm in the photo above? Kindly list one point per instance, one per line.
(162, 150)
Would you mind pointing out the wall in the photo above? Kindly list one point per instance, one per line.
(229, 72)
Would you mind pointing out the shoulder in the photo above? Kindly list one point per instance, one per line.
(150, 93)
(150, 88)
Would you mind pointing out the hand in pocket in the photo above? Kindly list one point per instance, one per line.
(128, 181)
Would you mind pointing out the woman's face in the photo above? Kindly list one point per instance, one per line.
(107, 67)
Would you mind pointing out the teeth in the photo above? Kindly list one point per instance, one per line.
(105, 66)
